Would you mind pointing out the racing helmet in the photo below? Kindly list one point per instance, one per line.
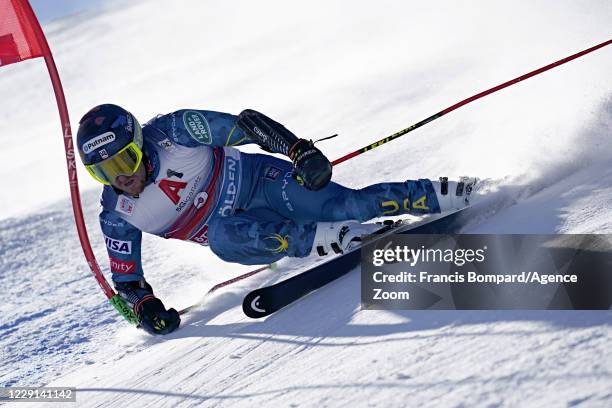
(109, 141)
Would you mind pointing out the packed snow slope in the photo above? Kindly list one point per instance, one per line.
(359, 69)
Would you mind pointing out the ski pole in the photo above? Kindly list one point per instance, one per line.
(468, 100)
(229, 282)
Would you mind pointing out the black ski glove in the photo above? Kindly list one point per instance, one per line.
(312, 168)
(152, 315)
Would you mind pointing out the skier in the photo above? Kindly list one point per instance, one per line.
(180, 176)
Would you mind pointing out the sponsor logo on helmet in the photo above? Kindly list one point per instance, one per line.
(197, 126)
(103, 154)
(130, 123)
(120, 247)
(98, 141)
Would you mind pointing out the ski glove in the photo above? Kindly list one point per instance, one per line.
(152, 315)
(311, 166)
(155, 319)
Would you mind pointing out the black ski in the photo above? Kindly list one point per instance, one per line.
(267, 300)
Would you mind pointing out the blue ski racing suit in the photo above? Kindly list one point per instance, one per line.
(248, 208)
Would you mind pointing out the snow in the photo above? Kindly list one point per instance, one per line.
(356, 69)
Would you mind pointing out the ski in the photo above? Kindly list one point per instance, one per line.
(267, 300)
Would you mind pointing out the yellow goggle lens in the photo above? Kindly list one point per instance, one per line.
(125, 162)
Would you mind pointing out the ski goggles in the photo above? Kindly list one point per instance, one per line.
(125, 162)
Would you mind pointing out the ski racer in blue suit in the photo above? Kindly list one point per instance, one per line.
(181, 176)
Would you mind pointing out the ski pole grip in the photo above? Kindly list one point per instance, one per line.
(123, 309)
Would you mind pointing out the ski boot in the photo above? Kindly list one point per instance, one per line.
(454, 195)
(340, 236)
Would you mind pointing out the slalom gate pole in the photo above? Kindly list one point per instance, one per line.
(466, 101)
(115, 300)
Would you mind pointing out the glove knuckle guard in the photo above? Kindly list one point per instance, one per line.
(311, 166)
(152, 314)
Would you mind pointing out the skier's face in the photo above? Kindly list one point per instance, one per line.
(134, 184)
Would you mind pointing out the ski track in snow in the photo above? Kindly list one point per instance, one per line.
(543, 149)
